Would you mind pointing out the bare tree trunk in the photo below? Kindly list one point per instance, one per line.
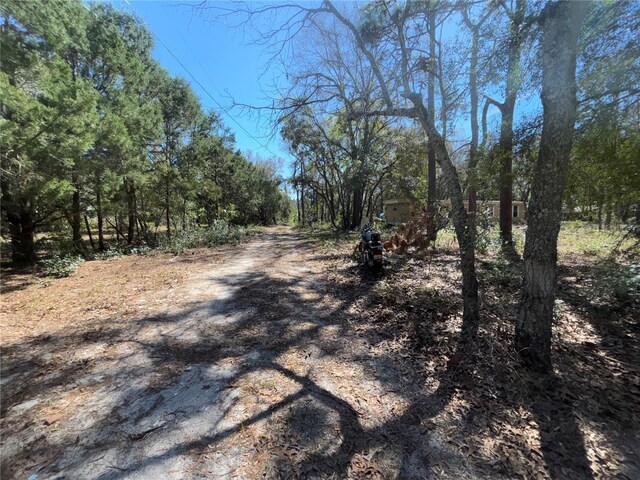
(505, 144)
(117, 227)
(135, 215)
(505, 149)
(167, 208)
(561, 27)
(608, 214)
(131, 212)
(473, 148)
(21, 230)
(356, 217)
(473, 93)
(431, 154)
(99, 212)
(76, 222)
(600, 215)
(464, 234)
(86, 222)
(303, 214)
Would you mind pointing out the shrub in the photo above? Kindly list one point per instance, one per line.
(61, 266)
(218, 233)
(118, 251)
(110, 252)
(619, 281)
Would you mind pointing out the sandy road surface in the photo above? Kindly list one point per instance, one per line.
(257, 374)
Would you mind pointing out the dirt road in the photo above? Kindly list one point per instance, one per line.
(281, 358)
(247, 369)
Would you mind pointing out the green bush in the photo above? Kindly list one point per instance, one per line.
(118, 251)
(218, 233)
(111, 252)
(619, 281)
(61, 266)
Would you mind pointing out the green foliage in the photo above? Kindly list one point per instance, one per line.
(92, 125)
(109, 253)
(581, 238)
(58, 244)
(500, 271)
(115, 252)
(339, 157)
(61, 266)
(485, 233)
(618, 282)
(218, 233)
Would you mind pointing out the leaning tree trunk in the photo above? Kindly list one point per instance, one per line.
(86, 222)
(464, 234)
(561, 27)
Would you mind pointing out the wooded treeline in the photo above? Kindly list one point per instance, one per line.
(96, 135)
(479, 74)
(435, 99)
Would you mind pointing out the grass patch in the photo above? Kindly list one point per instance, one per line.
(580, 238)
(575, 238)
(446, 239)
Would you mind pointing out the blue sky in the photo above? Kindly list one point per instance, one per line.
(227, 66)
(231, 69)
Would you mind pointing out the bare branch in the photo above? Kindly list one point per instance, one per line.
(495, 102)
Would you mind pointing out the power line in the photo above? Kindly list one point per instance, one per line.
(202, 86)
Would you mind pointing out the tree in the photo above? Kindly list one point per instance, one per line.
(407, 101)
(48, 119)
(475, 29)
(602, 172)
(518, 30)
(180, 109)
(93, 127)
(561, 23)
(389, 43)
(119, 66)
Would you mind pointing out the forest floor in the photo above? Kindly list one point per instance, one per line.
(282, 358)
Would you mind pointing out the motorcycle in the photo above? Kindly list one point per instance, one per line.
(370, 247)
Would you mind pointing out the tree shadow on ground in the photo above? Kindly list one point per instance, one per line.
(15, 278)
(174, 386)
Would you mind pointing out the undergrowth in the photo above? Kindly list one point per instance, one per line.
(61, 266)
(616, 282)
(218, 233)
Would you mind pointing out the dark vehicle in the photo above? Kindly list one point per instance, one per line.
(370, 247)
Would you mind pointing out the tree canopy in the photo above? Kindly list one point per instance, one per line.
(94, 127)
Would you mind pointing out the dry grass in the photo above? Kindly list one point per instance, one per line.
(114, 290)
(364, 368)
(577, 423)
